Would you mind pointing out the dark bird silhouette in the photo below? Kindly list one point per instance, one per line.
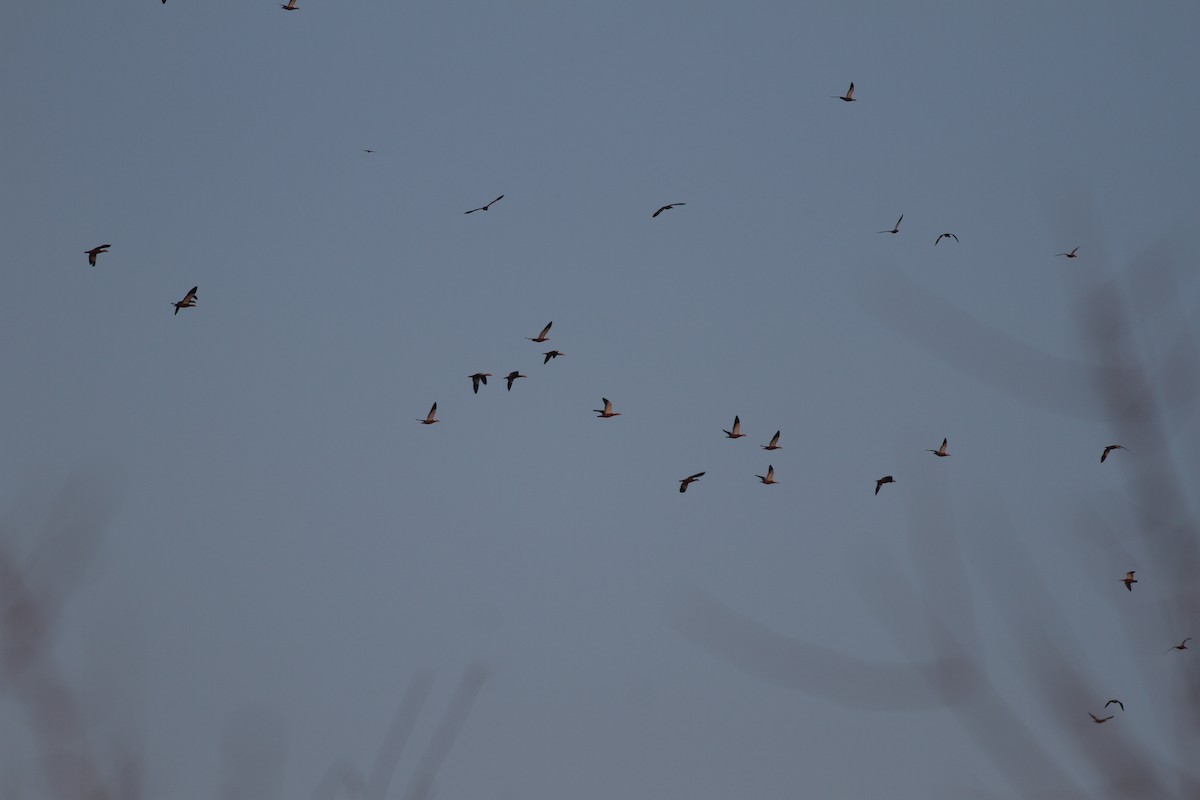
(769, 478)
(882, 481)
(773, 444)
(667, 207)
(95, 251)
(683, 483)
(290, 6)
(607, 411)
(512, 376)
(895, 229)
(365, 150)
(1098, 720)
(188, 301)
(1109, 449)
(940, 452)
(848, 96)
(478, 378)
(485, 208)
(736, 433)
(1181, 646)
(1118, 702)
(1068, 255)
(1129, 580)
(552, 354)
(943, 236)
(541, 337)
(432, 418)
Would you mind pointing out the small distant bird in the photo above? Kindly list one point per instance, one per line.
(607, 411)
(552, 354)
(848, 96)
(291, 6)
(1098, 720)
(188, 301)
(485, 208)
(895, 229)
(667, 207)
(432, 418)
(1109, 449)
(478, 378)
(541, 337)
(882, 481)
(683, 484)
(1181, 646)
(365, 150)
(773, 444)
(736, 433)
(943, 236)
(769, 478)
(940, 452)
(512, 376)
(1118, 702)
(1068, 255)
(1129, 580)
(95, 251)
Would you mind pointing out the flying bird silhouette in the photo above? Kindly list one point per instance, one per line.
(848, 96)
(1068, 255)
(432, 418)
(552, 354)
(188, 301)
(667, 207)
(769, 478)
(773, 444)
(512, 376)
(683, 483)
(1181, 646)
(485, 208)
(943, 236)
(940, 452)
(291, 6)
(365, 150)
(1129, 580)
(895, 229)
(541, 337)
(1098, 720)
(607, 411)
(1118, 702)
(1109, 449)
(882, 481)
(95, 251)
(736, 433)
(478, 378)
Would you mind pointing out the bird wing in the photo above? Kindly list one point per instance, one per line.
(432, 412)
(697, 475)
(898, 222)
(955, 238)
(473, 210)
(546, 360)
(770, 472)
(774, 439)
(935, 241)
(877, 485)
(737, 426)
(498, 199)
(850, 93)
(545, 330)
(1129, 575)
(683, 484)
(1118, 702)
(656, 213)
(942, 449)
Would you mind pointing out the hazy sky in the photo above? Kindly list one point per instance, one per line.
(246, 547)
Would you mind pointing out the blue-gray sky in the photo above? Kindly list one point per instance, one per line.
(264, 547)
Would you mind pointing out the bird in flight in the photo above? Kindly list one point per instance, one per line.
(1129, 580)
(667, 207)
(848, 96)
(541, 337)
(1068, 255)
(769, 478)
(736, 433)
(882, 481)
(512, 376)
(478, 378)
(607, 411)
(485, 208)
(943, 236)
(1109, 449)
(188, 301)
(683, 483)
(1118, 702)
(290, 6)
(552, 354)
(432, 418)
(1098, 720)
(940, 452)
(896, 229)
(773, 444)
(95, 251)
(365, 150)
(1181, 646)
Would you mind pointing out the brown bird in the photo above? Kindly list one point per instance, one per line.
(95, 251)
(769, 478)
(1129, 580)
(848, 96)
(773, 444)
(895, 229)
(1181, 646)
(541, 337)
(478, 378)
(1068, 255)
(943, 236)
(485, 208)
(188, 301)
(940, 452)
(552, 354)
(667, 207)
(683, 483)
(512, 376)
(736, 433)
(1118, 702)
(429, 420)
(1109, 449)
(607, 411)
(1098, 720)
(291, 6)
(882, 481)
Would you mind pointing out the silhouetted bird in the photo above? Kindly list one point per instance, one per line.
(769, 478)
(552, 354)
(485, 208)
(1108, 450)
(882, 481)
(1098, 720)
(736, 433)
(512, 376)
(943, 236)
(1118, 702)
(667, 207)
(895, 229)
(1181, 646)
(1129, 580)
(95, 251)
(607, 411)
(940, 452)
(848, 96)
(683, 484)
(368, 151)
(773, 444)
(188, 301)
(429, 420)
(478, 378)
(1068, 255)
(291, 6)
(541, 337)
